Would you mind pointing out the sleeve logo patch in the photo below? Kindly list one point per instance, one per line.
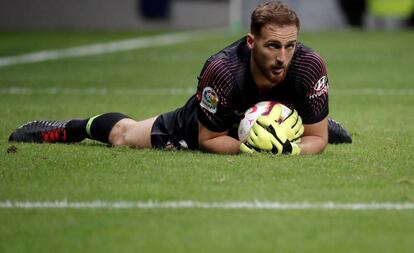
(209, 100)
(321, 87)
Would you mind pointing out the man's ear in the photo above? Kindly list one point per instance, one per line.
(250, 40)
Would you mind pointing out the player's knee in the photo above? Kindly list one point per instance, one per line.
(119, 133)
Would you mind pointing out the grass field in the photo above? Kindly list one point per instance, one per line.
(371, 93)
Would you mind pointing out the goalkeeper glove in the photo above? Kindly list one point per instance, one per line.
(268, 138)
(291, 126)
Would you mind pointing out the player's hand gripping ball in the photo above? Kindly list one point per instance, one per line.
(270, 126)
(289, 121)
(264, 108)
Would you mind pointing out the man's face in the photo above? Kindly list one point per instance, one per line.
(272, 52)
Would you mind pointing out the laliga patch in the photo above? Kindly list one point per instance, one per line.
(209, 100)
(321, 87)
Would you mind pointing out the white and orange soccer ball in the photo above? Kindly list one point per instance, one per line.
(259, 109)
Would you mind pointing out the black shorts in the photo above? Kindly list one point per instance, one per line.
(162, 131)
(176, 129)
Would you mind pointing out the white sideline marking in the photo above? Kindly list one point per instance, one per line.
(188, 204)
(182, 90)
(103, 48)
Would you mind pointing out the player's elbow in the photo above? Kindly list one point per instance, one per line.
(323, 144)
(311, 145)
(203, 144)
(320, 143)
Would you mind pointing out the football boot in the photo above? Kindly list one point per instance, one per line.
(337, 134)
(41, 131)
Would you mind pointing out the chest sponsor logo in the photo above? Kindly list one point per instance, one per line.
(321, 87)
(209, 100)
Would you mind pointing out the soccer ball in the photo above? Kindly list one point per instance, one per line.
(259, 109)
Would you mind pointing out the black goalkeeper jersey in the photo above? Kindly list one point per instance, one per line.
(226, 90)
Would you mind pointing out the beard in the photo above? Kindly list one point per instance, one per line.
(273, 73)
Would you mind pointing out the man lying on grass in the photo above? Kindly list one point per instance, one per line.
(266, 65)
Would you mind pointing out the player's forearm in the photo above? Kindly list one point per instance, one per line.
(221, 144)
(312, 145)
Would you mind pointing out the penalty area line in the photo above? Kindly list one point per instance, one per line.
(189, 204)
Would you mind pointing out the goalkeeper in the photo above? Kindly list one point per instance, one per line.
(267, 64)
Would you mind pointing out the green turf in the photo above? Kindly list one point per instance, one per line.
(13, 43)
(372, 94)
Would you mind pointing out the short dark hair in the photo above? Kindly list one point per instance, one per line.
(273, 12)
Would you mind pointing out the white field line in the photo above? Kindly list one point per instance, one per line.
(182, 90)
(103, 48)
(188, 204)
(374, 91)
(94, 90)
